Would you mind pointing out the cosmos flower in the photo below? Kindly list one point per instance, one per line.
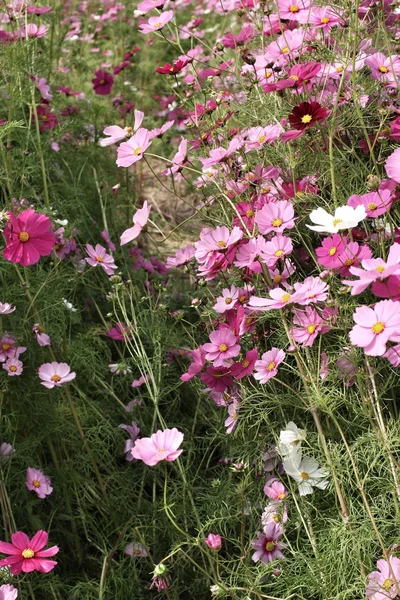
(98, 257)
(306, 115)
(162, 445)
(139, 219)
(267, 545)
(54, 374)
(267, 367)
(28, 237)
(37, 482)
(27, 555)
(384, 583)
(306, 472)
(376, 326)
(345, 217)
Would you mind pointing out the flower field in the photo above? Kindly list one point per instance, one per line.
(200, 300)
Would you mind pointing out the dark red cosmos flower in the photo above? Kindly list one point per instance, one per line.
(306, 114)
(46, 117)
(169, 69)
(102, 83)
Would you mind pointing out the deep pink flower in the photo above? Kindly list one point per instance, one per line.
(102, 83)
(390, 288)
(139, 382)
(330, 251)
(310, 325)
(54, 374)
(131, 151)
(267, 545)
(8, 346)
(223, 346)
(46, 117)
(38, 482)
(98, 257)
(199, 361)
(384, 583)
(375, 203)
(218, 379)
(213, 541)
(26, 555)
(275, 216)
(392, 165)
(120, 331)
(352, 256)
(267, 367)
(376, 326)
(157, 23)
(139, 219)
(162, 445)
(246, 366)
(28, 237)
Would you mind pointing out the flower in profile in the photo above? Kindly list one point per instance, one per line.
(139, 219)
(116, 133)
(376, 326)
(223, 346)
(8, 592)
(278, 299)
(102, 83)
(345, 217)
(120, 331)
(133, 432)
(233, 414)
(54, 374)
(384, 583)
(392, 165)
(38, 482)
(393, 356)
(6, 309)
(267, 367)
(157, 23)
(267, 545)
(306, 472)
(290, 439)
(6, 450)
(213, 541)
(162, 445)
(28, 237)
(98, 257)
(27, 555)
(179, 160)
(142, 379)
(42, 338)
(136, 550)
(131, 151)
(306, 115)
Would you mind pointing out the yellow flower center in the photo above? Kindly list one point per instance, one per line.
(160, 450)
(249, 213)
(271, 366)
(336, 222)
(282, 496)
(268, 74)
(228, 300)
(383, 69)
(261, 139)
(294, 77)
(223, 348)
(332, 251)
(349, 262)
(304, 476)
(245, 364)
(277, 278)
(269, 546)
(285, 297)
(158, 24)
(311, 328)
(306, 119)
(137, 151)
(387, 584)
(285, 50)
(23, 236)
(56, 378)
(378, 327)
(279, 253)
(294, 8)
(99, 259)
(325, 20)
(36, 483)
(276, 518)
(221, 244)
(339, 69)
(28, 553)
(380, 269)
(242, 299)
(277, 222)
(6, 346)
(13, 368)
(372, 206)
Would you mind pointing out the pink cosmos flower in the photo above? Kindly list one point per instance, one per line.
(278, 299)
(267, 367)
(179, 160)
(352, 256)
(246, 366)
(157, 23)
(325, 18)
(376, 326)
(13, 366)
(42, 338)
(136, 550)
(228, 300)
(98, 257)
(213, 541)
(393, 355)
(223, 346)
(102, 83)
(390, 288)
(384, 583)
(330, 251)
(310, 325)
(258, 136)
(182, 256)
(117, 133)
(133, 432)
(54, 374)
(311, 291)
(6, 309)
(286, 48)
(218, 239)
(233, 414)
(28, 237)
(120, 331)
(8, 346)
(374, 269)
(32, 30)
(249, 252)
(275, 216)
(142, 379)
(162, 445)
(382, 67)
(199, 361)
(218, 379)
(279, 247)
(139, 219)
(275, 511)
(26, 555)
(8, 592)
(324, 367)
(131, 151)
(38, 482)
(375, 203)
(275, 490)
(294, 10)
(392, 165)
(267, 545)
(44, 89)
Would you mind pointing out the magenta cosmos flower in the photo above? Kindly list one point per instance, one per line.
(26, 555)
(376, 326)
(38, 482)
(384, 583)
(157, 23)
(131, 151)
(223, 345)
(267, 545)
(162, 445)
(267, 367)
(54, 374)
(28, 237)
(139, 219)
(98, 257)
(213, 541)
(392, 165)
(102, 83)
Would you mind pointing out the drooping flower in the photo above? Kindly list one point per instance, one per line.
(133, 431)
(345, 217)
(199, 361)
(28, 237)
(267, 367)
(306, 472)
(136, 550)
(393, 355)
(213, 541)
(6, 450)
(42, 338)
(223, 346)
(116, 133)
(54, 374)
(306, 114)
(162, 445)
(267, 545)
(376, 326)
(385, 582)
(98, 257)
(139, 219)
(26, 555)
(6, 309)
(38, 482)
(120, 331)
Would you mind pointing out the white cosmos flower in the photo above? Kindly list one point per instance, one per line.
(290, 439)
(306, 472)
(345, 217)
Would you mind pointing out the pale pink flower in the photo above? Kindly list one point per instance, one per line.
(376, 326)
(258, 136)
(157, 23)
(223, 346)
(8, 592)
(13, 366)
(383, 67)
(131, 151)
(249, 252)
(275, 216)
(233, 414)
(228, 300)
(32, 30)
(278, 299)
(6, 309)
(182, 256)
(139, 219)
(311, 291)
(279, 247)
(393, 355)
(54, 374)
(44, 88)
(324, 367)
(325, 18)
(384, 583)
(392, 165)
(218, 239)
(98, 257)
(135, 549)
(374, 269)
(162, 445)
(117, 133)
(38, 482)
(139, 382)
(42, 338)
(286, 48)
(179, 160)
(267, 367)
(294, 10)
(274, 512)
(275, 490)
